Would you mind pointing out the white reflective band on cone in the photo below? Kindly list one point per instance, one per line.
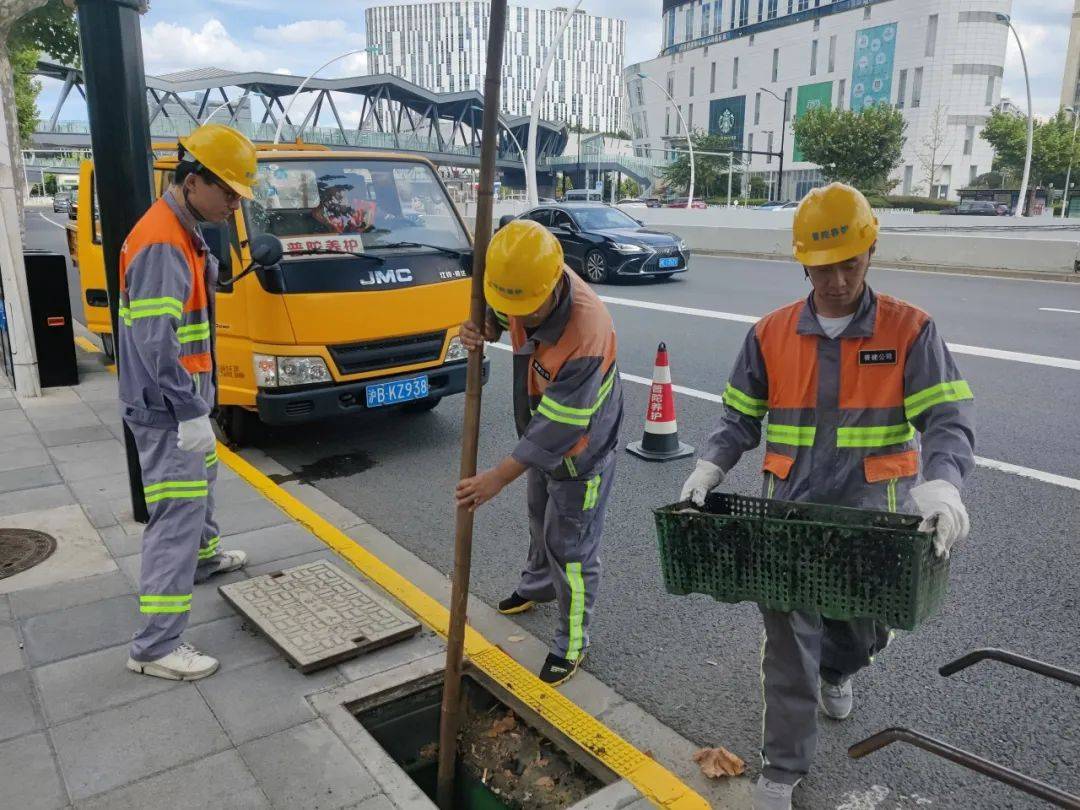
(661, 428)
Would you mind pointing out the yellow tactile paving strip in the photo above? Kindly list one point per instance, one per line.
(653, 780)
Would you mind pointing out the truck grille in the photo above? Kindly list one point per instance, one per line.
(356, 358)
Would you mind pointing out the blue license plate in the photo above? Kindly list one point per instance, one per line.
(672, 261)
(391, 393)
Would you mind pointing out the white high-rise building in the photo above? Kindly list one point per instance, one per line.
(443, 46)
(731, 65)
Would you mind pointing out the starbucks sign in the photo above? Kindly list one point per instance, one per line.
(726, 117)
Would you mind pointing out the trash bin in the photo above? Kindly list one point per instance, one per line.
(50, 314)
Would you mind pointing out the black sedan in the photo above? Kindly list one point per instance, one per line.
(601, 242)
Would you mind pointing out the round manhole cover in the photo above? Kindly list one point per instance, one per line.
(21, 549)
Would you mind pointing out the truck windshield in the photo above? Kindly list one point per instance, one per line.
(352, 205)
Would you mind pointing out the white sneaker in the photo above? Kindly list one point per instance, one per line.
(836, 701)
(185, 663)
(769, 795)
(228, 561)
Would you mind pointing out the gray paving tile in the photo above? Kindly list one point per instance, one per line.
(90, 683)
(263, 545)
(232, 643)
(6, 616)
(396, 655)
(82, 417)
(49, 598)
(107, 448)
(379, 802)
(29, 478)
(122, 745)
(299, 559)
(14, 423)
(82, 470)
(78, 630)
(105, 488)
(26, 457)
(236, 491)
(18, 705)
(308, 767)
(75, 435)
(100, 515)
(38, 786)
(18, 441)
(235, 519)
(33, 500)
(9, 404)
(11, 654)
(218, 781)
(119, 542)
(264, 698)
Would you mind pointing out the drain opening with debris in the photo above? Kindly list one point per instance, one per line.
(22, 549)
(502, 761)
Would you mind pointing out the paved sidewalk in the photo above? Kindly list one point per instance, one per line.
(79, 730)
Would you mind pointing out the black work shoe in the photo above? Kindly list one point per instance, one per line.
(559, 670)
(515, 604)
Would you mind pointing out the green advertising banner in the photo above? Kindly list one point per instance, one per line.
(727, 117)
(810, 97)
(871, 75)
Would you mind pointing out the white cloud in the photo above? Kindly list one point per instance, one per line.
(1044, 32)
(169, 47)
(306, 32)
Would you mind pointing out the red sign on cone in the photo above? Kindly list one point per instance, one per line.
(660, 441)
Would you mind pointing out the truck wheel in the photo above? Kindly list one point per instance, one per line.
(108, 347)
(239, 426)
(422, 405)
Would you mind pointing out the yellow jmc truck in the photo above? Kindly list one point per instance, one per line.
(361, 314)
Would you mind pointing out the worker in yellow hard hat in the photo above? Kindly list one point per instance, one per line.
(167, 390)
(851, 381)
(568, 407)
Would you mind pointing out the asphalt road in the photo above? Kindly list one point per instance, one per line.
(693, 662)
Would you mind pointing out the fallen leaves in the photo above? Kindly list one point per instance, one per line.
(515, 638)
(716, 763)
(545, 783)
(503, 725)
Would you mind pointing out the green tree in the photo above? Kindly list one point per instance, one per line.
(710, 170)
(23, 61)
(858, 148)
(50, 30)
(629, 188)
(1052, 145)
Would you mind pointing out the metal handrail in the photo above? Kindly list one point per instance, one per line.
(1014, 660)
(1032, 787)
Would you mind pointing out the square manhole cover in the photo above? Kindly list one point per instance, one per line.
(318, 615)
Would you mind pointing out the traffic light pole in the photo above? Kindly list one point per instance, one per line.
(111, 47)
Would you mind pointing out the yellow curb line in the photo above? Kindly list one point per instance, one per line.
(86, 345)
(653, 780)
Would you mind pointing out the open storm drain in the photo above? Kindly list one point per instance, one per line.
(21, 549)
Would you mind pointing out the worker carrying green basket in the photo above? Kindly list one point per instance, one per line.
(866, 408)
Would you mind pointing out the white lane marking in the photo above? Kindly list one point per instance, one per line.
(989, 463)
(55, 224)
(958, 348)
(1055, 309)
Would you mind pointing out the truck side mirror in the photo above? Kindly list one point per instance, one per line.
(266, 250)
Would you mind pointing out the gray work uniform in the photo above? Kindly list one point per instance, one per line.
(568, 408)
(167, 376)
(845, 417)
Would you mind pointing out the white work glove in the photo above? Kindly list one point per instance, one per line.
(196, 435)
(943, 513)
(704, 479)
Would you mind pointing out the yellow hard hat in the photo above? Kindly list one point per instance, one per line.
(524, 263)
(226, 153)
(832, 224)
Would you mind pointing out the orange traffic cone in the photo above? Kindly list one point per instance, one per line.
(660, 441)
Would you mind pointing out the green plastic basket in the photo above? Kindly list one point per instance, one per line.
(840, 562)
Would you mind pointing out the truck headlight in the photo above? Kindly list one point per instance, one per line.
(456, 350)
(273, 372)
(626, 247)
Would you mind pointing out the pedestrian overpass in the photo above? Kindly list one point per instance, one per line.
(396, 114)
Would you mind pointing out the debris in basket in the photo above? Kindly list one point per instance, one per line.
(717, 763)
(545, 783)
(504, 724)
(430, 751)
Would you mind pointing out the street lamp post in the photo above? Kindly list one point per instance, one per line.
(686, 129)
(1022, 202)
(783, 133)
(538, 100)
(371, 49)
(1072, 152)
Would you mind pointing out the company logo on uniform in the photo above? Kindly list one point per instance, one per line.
(539, 369)
(877, 357)
(828, 233)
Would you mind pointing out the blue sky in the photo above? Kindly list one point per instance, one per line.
(287, 36)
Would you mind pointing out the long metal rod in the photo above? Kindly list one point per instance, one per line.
(470, 440)
(1032, 787)
(1012, 659)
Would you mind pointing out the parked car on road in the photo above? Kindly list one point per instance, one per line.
(582, 195)
(61, 202)
(632, 202)
(976, 208)
(601, 242)
(653, 202)
(680, 202)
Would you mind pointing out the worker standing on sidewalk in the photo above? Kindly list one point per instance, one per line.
(568, 407)
(849, 380)
(167, 389)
